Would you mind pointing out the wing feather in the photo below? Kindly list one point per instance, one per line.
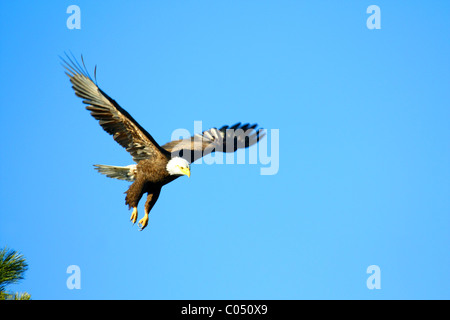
(112, 118)
(225, 139)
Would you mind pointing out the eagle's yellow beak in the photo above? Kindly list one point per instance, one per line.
(186, 172)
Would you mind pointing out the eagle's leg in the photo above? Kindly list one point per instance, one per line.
(151, 200)
(134, 194)
(134, 215)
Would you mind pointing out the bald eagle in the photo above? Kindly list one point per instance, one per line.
(155, 165)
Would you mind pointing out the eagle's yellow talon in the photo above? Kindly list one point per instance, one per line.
(134, 215)
(143, 222)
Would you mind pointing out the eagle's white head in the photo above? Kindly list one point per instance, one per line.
(178, 166)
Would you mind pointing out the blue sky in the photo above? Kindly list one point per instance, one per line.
(363, 120)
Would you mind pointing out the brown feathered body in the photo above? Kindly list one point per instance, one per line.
(151, 176)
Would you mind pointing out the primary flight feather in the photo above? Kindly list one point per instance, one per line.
(155, 165)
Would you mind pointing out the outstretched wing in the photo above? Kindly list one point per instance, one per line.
(225, 139)
(113, 119)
